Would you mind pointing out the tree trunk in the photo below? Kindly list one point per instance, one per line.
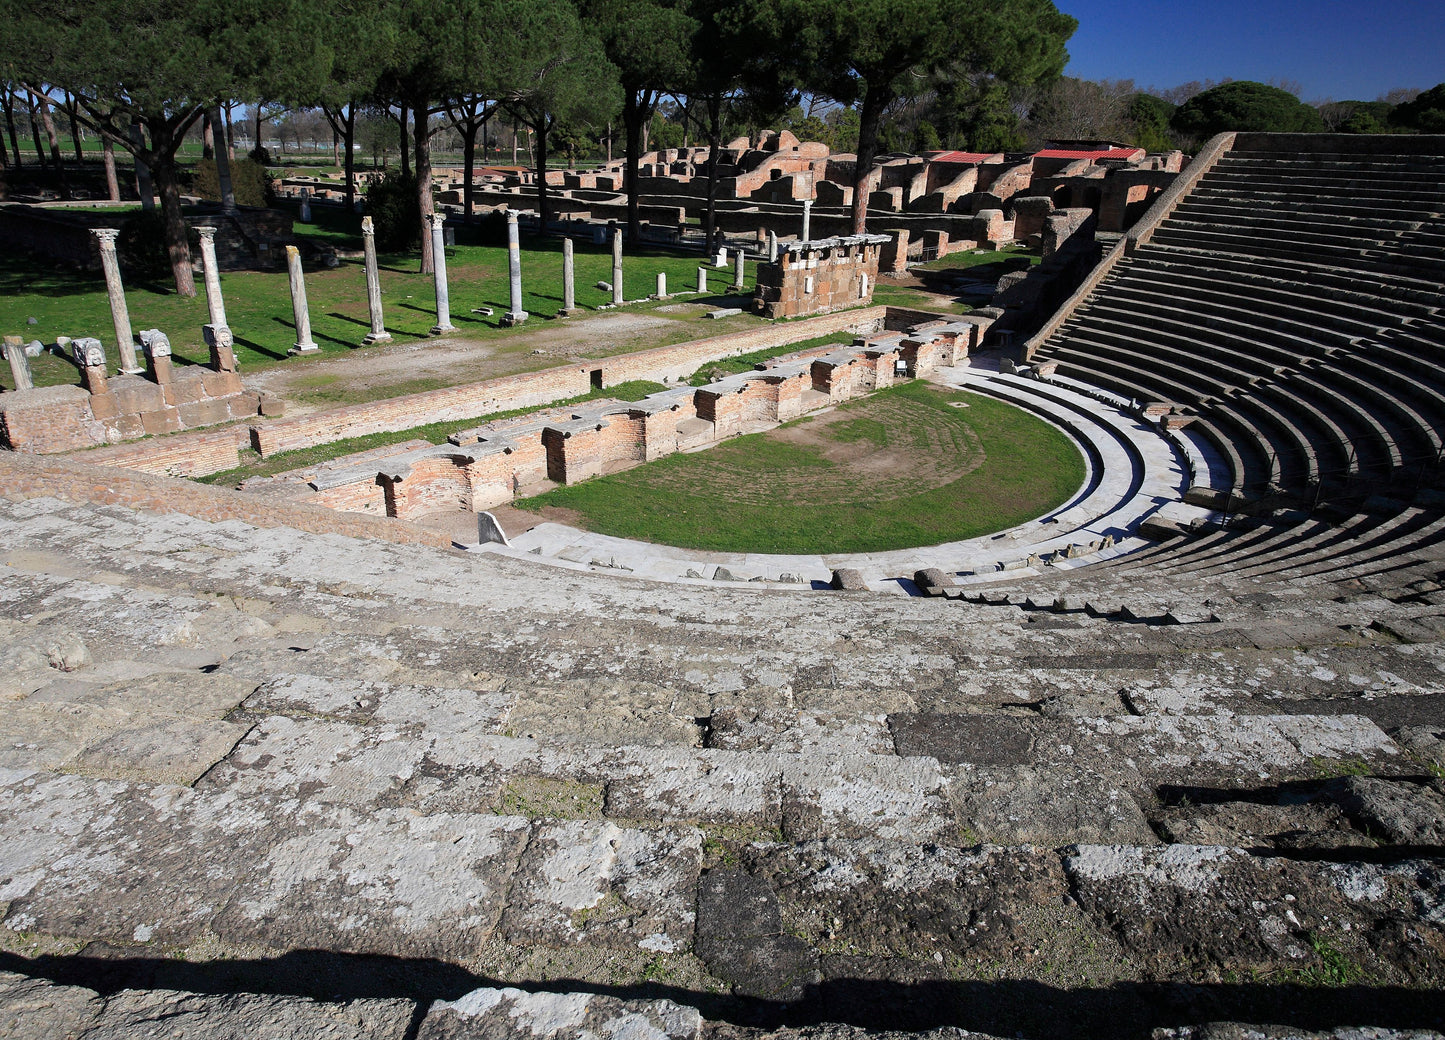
(423, 182)
(351, 157)
(714, 142)
(223, 162)
(144, 187)
(609, 141)
(208, 136)
(469, 163)
(74, 128)
(258, 125)
(9, 101)
(514, 142)
(35, 131)
(868, 121)
(230, 133)
(112, 182)
(163, 168)
(405, 148)
(543, 203)
(635, 110)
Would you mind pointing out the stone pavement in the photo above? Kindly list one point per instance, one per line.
(261, 782)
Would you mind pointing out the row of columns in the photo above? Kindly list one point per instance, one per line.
(125, 339)
(120, 313)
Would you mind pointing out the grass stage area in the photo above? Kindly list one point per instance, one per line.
(913, 465)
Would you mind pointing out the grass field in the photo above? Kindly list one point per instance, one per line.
(910, 466)
(258, 304)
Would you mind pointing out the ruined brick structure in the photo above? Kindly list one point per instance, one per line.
(486, 466)
(111, 409)
(816, 277)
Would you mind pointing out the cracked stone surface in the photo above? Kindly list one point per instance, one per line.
(516, 802)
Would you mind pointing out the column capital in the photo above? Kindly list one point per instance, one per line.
(206, 232)
(106, 235)
(511, 216)
(367, 227)
(438, 218)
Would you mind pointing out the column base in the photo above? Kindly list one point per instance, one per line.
(375, 337)
(442, 330)
(567, 312)
(513, 318)
(303, 348)
(132, 371)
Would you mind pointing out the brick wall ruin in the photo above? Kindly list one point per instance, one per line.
(486, 466)
(819, 276)
(111, 409)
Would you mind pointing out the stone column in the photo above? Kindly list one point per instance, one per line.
(214, 303)
(662, 285)
(569, 281)
(772, 247)
(617, 267)
(702, 279)
(738, 270)
(378, 333)
(119, 314)
(439, 275)
(722, 257)
(515, 316)
(90, 356)
(304, 343)
(807, 219)
(19, 363)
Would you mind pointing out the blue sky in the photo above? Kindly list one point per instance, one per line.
(1341, 51)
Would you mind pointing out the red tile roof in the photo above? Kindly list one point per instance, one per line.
(963, 157)
(1099, 153)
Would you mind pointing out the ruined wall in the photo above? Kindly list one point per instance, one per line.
(63, 418)
(459, 403)
(28, 476)
(819, 276)
(599, 438)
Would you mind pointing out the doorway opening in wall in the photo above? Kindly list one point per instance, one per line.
(597, 379)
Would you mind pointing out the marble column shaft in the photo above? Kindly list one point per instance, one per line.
(617, 267)
(738, 270)
(516, 315)
(304, 343)
(378, 333)
(119, 313)
(439, 275)
(772, 247)
(569, 279)
(19, 363)
(215, 305)
(662, 285)
(702, 279)
(807, 219)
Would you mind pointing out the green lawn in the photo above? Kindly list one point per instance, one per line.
(258, 304)
(769, 493)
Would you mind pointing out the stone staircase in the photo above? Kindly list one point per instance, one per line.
(257, 782)
(1292, 302)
